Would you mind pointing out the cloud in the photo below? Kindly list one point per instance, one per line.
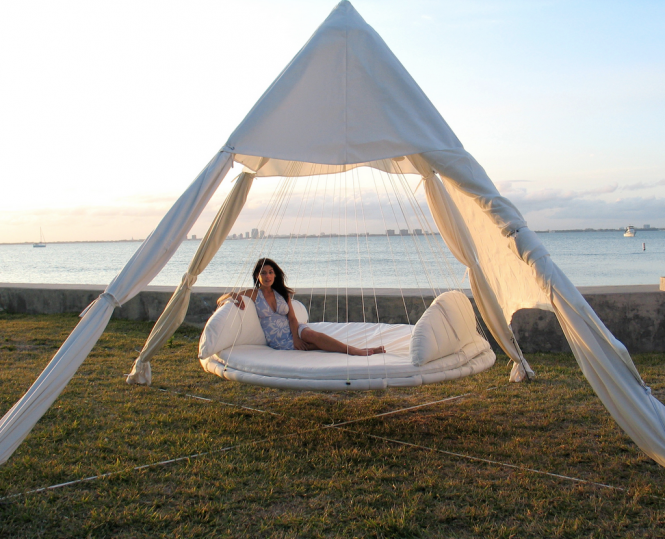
(600, 190)
(636, 209)
(561, 208)
(594, 213)
(529, 201)
(642, 185)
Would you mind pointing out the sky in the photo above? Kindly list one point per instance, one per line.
(108, 111)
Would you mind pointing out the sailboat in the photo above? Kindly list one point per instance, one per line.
(42, 240)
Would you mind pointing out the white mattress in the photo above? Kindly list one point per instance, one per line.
(317, 370)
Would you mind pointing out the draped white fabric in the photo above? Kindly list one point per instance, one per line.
(176, 309)
(490, 220)
(604, 360)
(146, 263)
(345, 98)
(459, 240)
(523, 275)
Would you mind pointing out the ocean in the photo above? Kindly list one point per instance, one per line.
(587, 258)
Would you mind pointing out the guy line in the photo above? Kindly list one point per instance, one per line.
(341, 426)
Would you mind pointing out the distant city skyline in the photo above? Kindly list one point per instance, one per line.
(236, 236)
(110, 111)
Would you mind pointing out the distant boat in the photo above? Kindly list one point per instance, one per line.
(630, 231)
(42, 240)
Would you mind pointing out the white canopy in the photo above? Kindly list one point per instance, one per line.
(344, 101)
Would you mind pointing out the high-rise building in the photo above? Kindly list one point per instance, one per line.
(193, 236)
(390, 232)
(403, 231)
(262, 233)
(255, 233)
(646, 227)
(418, 231)
(247, 235)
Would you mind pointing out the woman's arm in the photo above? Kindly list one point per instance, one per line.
(236, 297)
(298, 343)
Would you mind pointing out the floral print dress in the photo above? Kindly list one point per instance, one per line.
(275, 324)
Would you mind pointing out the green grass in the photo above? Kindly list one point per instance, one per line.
(288, 477)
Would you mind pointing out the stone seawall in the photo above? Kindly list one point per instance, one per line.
(634, 314)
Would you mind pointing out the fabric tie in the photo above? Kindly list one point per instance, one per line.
(107, 296)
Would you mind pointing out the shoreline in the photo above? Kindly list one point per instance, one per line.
(635, 314)
(391, 291)
(286, 236)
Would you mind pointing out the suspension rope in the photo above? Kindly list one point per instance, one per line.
(406, 189)
(236, 286)
(308, 228)
(330, 241)
(346, 274)
(392, 254)
(401, 176)
(408, 210)
(396, 193)
(280, 206)
(449, 273)
(371, 272)
(435, 247)
(318, 243)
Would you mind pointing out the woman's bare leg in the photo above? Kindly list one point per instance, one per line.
(321, 341)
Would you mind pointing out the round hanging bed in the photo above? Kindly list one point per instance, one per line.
(443, 345)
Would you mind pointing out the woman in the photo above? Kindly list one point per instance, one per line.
(280, 325)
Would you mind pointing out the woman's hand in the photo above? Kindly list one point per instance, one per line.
(299, 344)
(233, 297)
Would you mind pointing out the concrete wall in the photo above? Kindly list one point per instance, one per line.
(634, 314)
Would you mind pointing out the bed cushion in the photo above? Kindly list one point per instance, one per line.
(329, 371)
(300, 310)
(230, 326)
(446, 327)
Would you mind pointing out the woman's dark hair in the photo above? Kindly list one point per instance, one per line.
(279, 285)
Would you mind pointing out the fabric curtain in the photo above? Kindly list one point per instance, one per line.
(526, 277)
(490, 220)
(455, 233)
(176, 309)
(604, 360)
(146, 263)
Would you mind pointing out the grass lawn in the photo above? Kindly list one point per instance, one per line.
(287, 476)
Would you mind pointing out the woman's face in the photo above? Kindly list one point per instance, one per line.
(267, 276)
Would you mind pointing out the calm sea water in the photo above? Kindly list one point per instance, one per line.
(588, 258)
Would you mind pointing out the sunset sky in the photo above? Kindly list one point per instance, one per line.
(109, 110)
